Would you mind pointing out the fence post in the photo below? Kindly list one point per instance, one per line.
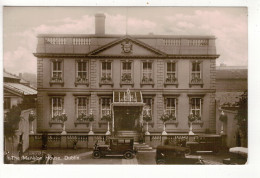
(63, 141)
(147, 139)
(164, 137)
(90, 141)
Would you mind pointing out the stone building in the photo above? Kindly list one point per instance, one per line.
(125, 76)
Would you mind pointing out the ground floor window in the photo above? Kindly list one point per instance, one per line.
(56, 106)
(82, 106)
(170, 106)
(105, 106)
(148, 106)
(196, 106)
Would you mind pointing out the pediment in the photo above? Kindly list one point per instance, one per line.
(126, 46)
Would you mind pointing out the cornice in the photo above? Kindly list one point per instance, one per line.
(73, 55)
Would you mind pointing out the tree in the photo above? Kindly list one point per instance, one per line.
(12, 120)
(242, 115)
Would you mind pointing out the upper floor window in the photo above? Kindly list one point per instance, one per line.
(148, 107)
(57, 73)
(106, 72)
(82, 106)
(171, 72)
(126, 72)
(196, 106)
(170, 106)
(82, 72)
(56, 106)
(105, 106)
(196, 74)
(147, 72)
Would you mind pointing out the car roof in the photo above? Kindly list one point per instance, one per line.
(173, 148)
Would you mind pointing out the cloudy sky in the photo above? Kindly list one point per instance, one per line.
(22, 24)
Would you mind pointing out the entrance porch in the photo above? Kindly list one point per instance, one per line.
(127, 110)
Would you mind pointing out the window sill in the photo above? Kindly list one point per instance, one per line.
(175, 122)
(197, 122)
(76, 123)
(171, 83)
(55, 123)
(102, 123)
(56, 83)
(126, 83)
(196, 83)
(106, 83)
(147, 83)
(81, 83)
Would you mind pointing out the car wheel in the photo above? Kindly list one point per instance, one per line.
(188, 151)
(128, 155)
(160, 161)
(96, 154)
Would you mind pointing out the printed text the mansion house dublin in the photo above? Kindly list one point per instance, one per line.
(125, 77)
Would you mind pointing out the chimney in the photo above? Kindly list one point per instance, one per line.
(100, 24)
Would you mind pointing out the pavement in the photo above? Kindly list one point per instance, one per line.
(84, 156)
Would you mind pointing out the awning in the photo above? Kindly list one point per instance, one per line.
(127, 98)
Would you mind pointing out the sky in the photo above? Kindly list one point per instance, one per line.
(22, 24)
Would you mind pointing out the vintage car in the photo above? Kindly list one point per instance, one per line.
(175, 155)
(121, 146)
(238, 155)
(205, 143)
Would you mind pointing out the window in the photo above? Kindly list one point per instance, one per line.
(106, 73)
(82, 106)
(148, 106)
(82, 72)
(147, 72)
(56, 71)
(126, 72)
(7, 103)
(105, 106)
(56, 106)
(196, 106)
(171, 106)
(171, 72)
(195, 74)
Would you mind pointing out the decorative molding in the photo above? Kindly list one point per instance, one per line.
(76, 123)
(55, 123)
(147, 83)
(176, 123)
(200, 122)
(73, 55)
(81, 83)
(57, 83)
(168, 83)
(56, 94)
(106, 83)
(126, 83)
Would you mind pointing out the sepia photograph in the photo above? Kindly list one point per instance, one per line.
(125, 85)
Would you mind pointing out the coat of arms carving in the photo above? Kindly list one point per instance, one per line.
(127, 47)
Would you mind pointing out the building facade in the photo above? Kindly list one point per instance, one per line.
(125, 76)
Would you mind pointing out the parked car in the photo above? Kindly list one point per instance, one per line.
(121, 146)
(175, 155)
(238, 155)
(205, 143)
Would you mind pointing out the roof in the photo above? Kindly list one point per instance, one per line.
(20, 88)
(231, 74)
(9, 75)
(127, 98)
(228, 99)
(148, 36)
(12, 76)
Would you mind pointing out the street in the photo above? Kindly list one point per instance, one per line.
(83, 156)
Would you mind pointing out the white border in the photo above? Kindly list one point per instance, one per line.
(250, 170)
